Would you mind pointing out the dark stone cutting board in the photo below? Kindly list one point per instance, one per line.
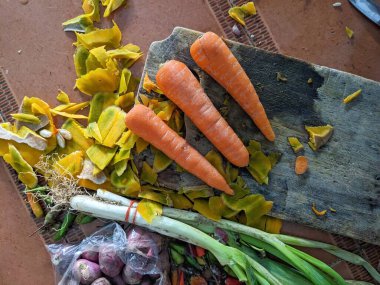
(344, 174)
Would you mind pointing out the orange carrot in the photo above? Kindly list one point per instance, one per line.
(301, 165)
(180, 85)
(213, 56)
(143, 122)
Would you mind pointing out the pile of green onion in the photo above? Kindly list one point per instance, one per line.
(243, 252)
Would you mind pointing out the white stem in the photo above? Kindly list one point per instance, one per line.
(160, 224)
(107, 195)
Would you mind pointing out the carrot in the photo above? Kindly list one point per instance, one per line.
(213, 56)
(301, 164)
(180, 85)
(143, 122)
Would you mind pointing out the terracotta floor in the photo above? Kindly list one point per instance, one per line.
(311, 30)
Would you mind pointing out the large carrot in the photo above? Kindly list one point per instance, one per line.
(143, 122)
(213, 56)
(180, 85)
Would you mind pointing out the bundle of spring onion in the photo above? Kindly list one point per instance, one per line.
(241, 253)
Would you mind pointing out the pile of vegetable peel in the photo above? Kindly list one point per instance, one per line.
(92, 149)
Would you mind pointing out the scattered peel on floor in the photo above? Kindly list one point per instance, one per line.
(63, 97)
(25, 171)
(68, 115)
(37, 210)
(91, 7)
(319, 136)
(79, 24)
(349, 32)
(101, 37)
(80, 56)
(317, 212)
(352, 97)
(239, 13)
(98, 80)
(23, 136)
(26, 118)
(111, 5)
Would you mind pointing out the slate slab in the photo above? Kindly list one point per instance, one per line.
(344, 174)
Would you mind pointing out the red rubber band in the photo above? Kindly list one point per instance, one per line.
(134, 217)
(128, 211)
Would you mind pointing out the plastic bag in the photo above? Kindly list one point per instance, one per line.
(143, 254)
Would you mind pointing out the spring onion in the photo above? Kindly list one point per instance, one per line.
(245, 268)
(194, 228)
